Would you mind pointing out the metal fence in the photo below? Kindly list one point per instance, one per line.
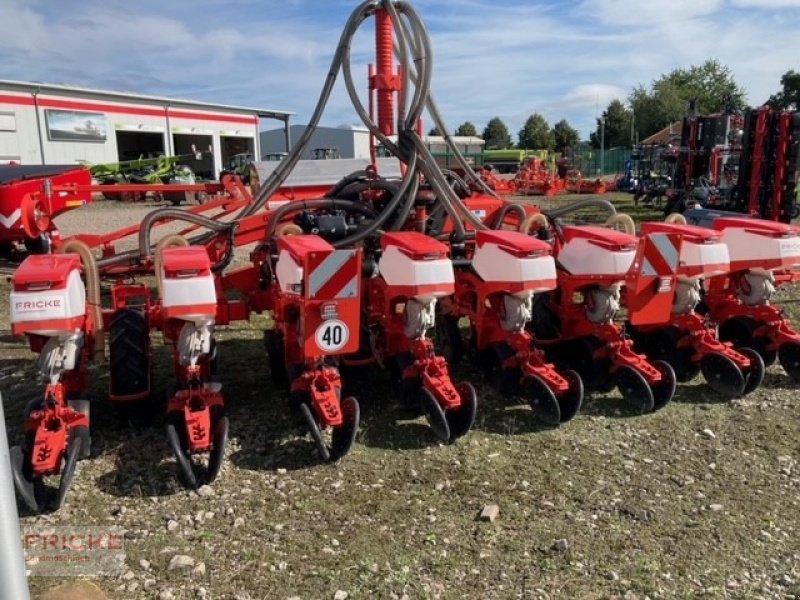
(591, 162)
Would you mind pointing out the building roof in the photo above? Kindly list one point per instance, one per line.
(36, 86)
(664, 136)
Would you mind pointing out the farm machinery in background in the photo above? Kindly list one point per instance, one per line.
(160, 170)
(744, 163)
(357, 270)
(541, 177)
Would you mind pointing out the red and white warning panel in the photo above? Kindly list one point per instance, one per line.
(651, 282)
(329, 282)
(48, 296)
(187, 284)
(703, 254)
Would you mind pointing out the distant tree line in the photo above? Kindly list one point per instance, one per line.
(710, 86)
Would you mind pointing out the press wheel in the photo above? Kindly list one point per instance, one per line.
(635, 389)
(434, 415)
(542, 400)
(220, 440)
(754, 376)
(314, 430)
(569, 403)
(664, 390)
(344, 436)
(176, 436)
(723, 375)
(74, 444)
(31, 490)
(460, 420)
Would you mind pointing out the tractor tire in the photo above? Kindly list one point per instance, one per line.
(129, 353)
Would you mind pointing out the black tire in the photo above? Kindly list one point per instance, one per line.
(39, 245)
(129, 353)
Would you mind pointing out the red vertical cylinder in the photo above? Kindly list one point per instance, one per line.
(384, 52)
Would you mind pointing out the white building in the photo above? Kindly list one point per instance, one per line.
(351, 141)
(54, 124)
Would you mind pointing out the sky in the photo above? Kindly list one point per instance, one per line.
(564, 60)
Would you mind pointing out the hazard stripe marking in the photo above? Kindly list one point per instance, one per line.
(350, 290)
(327, 269)
(668, 251)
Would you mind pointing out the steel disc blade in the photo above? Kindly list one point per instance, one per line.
(460, 420)
(71, 462)
(435, 415)
(634, 389)
(24, 486)
(754, 375)
(789, 356)
(542, 400)
(184, 463)
(569, 403)
(722, 374)
(217, 455)
(664, 390)
(314, 430)
(344, 436)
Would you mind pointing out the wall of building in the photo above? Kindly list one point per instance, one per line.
(349, 141)
(73, 127)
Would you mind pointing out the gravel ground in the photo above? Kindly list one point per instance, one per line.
(698, 500)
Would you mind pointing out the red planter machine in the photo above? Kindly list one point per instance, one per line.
(405, 274)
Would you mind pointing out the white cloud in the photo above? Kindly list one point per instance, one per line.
(767, 3)
(561, 59)
(644, 14)
(593, 95)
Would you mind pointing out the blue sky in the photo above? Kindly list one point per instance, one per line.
(507, 59)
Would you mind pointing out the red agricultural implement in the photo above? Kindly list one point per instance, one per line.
(357, 269)
(31, 196)
(600, 270)
(689, 342)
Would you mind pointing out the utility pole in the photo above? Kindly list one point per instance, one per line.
(13, 583)
(602, 146)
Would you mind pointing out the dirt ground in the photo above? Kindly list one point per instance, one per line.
(698, 500)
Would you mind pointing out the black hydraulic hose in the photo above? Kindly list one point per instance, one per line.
(357, 187)
(458, 182)
(362, 175)
(178, 215)
(501, 216)
(580, 205)
(388, 210)
(279, 175)
(408, 206)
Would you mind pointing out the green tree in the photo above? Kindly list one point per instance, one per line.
(617, 126)
(434, 131)
(564, 136)
(667, 98)
(789, 96)
(536, 134)
(496, 134)
(466, 129)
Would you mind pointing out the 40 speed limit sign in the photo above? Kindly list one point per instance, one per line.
(332, 335)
